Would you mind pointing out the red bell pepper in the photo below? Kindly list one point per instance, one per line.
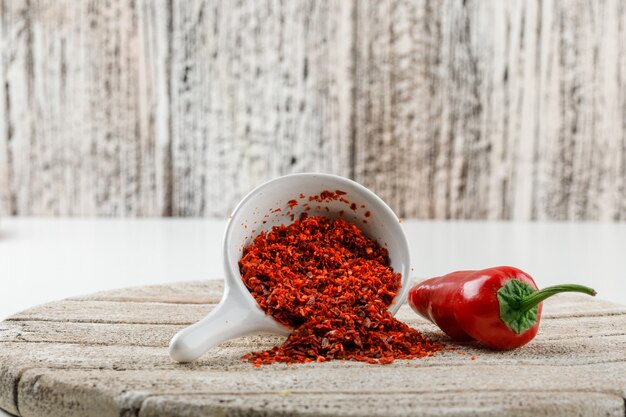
(498, 307)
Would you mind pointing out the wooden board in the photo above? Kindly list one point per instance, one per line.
(76, 136)
(143, 108)
(258, 90)
(448, 109)
(492, 109)
(106, 354)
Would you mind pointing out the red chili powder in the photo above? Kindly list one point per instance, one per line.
(332, 286)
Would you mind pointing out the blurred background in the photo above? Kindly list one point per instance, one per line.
(447, 109)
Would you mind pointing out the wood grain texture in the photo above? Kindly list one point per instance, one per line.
(510, 110)
(56, 362)
(259, 89)
(448, 109)
(77, 135)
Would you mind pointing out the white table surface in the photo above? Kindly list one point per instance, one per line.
(43, 260)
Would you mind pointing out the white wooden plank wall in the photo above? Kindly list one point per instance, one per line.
(446, 108)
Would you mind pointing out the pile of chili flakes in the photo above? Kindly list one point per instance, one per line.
(333, 286)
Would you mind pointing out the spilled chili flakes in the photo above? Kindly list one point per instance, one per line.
(292, 203)
(332, 286)
(327, 195)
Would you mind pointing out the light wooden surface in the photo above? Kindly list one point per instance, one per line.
(105, 354)
(493, 109)
(447, 109)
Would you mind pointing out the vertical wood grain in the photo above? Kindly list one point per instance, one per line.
(423, 90)
(582, 137)
(492, 109)
(447, 109)
(77, 142)
(154, 21)
(259, 89)
(621, 104)
(16, 48)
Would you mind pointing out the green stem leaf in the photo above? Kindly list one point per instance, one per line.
(538, 296)
(519, 302)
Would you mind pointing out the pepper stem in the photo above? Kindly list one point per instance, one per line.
(535, 298)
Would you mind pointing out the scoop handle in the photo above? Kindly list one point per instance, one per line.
(229, 319)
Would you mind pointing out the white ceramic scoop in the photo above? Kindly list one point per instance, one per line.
(238, 313)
